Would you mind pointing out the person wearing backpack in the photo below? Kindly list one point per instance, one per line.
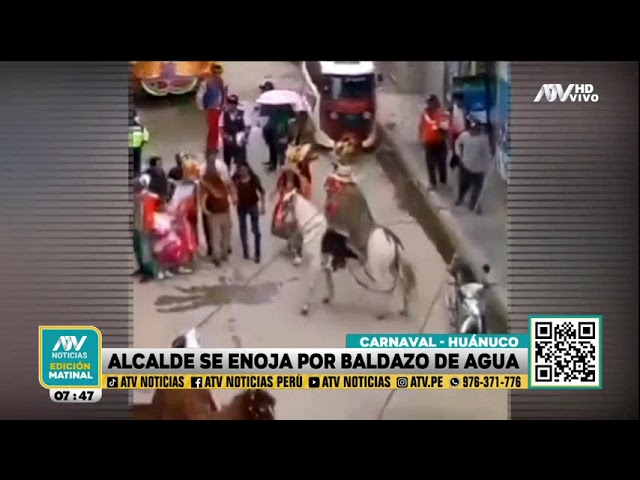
(211, 98)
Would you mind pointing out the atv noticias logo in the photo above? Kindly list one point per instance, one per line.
(574, 92)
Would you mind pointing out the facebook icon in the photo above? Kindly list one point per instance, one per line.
(196, 382)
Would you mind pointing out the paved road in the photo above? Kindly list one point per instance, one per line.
(264, 313)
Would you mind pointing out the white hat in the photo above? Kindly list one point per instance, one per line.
(344, 174)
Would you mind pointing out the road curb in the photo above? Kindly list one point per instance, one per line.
(498, 298)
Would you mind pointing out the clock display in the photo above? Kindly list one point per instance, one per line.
(76, 395)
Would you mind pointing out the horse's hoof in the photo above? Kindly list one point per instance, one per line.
(297, 261)
(304, 311)
(326, 300)
(404, 313)
(381, 316)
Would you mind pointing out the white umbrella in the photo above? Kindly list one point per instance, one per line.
(281, 97)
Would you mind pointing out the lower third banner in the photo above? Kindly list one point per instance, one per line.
(316, 382)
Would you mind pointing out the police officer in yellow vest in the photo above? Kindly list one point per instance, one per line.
(138, 136)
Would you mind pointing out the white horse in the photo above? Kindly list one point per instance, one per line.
(386, 267)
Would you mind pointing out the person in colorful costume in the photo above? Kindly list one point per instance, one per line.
(296, 175)
(145, 205)
(191, 173)
(300, 158)
(183, 209)
(288, 180)
(168, 247)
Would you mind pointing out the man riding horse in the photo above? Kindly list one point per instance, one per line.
(347, 230)
(350, 220)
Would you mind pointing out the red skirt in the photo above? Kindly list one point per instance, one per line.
(213, 123)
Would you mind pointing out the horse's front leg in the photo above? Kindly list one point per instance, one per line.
(328, 275)
(315, 272)
(295, 246)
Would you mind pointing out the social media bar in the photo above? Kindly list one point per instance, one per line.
(316, 382)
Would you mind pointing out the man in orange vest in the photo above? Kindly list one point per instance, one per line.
(434, 125)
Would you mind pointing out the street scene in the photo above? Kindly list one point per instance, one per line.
(480, 238)
(256, 302)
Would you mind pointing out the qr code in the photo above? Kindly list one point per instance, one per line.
(565, 353)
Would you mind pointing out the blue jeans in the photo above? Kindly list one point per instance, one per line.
(254, 217)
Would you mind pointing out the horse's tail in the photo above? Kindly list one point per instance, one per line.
(402, 265)
(408, 274)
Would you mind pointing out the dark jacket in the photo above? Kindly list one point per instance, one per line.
(248, 191)
(159, 183)
(278, 123)
(234, 126)
(175, 173)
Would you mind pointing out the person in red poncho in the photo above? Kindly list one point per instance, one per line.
(349, 216)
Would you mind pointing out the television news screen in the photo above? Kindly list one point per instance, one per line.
(252, 241)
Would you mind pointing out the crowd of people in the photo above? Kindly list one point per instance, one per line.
(464, 140)
(170, 208)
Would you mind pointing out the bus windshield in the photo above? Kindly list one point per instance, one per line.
(351, 86)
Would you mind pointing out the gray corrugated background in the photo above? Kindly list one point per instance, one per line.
(573, 224)
(65, 248)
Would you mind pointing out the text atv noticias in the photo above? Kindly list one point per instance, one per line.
(574, 92)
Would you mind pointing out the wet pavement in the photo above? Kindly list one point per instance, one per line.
(243, 304)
